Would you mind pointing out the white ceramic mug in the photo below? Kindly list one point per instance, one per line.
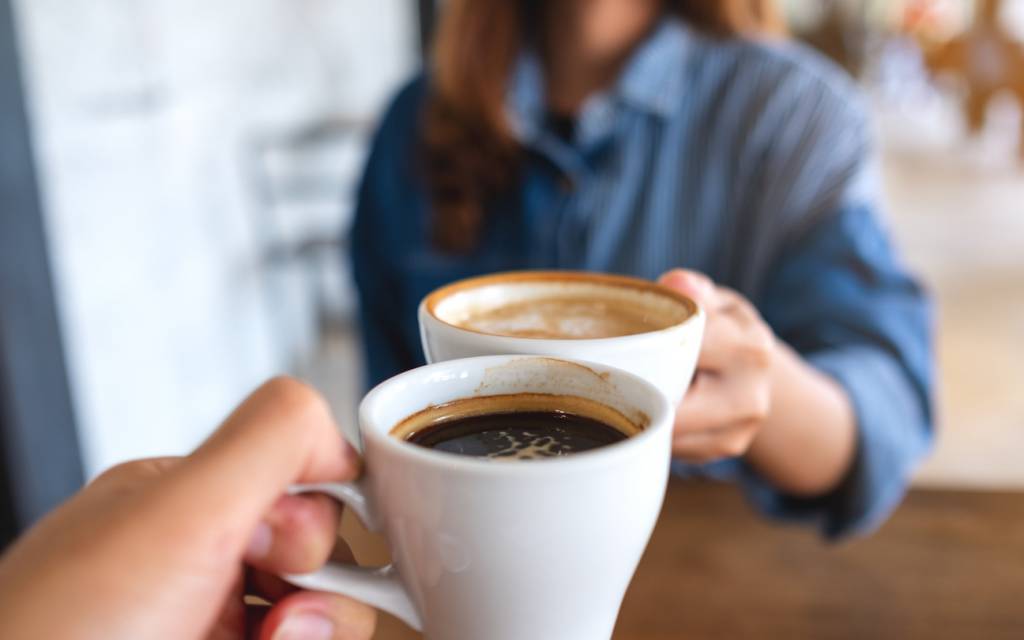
(498, 550)
(666, 357)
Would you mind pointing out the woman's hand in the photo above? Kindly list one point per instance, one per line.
(753, 396)
(166, 549)
(731, 395)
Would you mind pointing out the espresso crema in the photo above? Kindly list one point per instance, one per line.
(516, 427)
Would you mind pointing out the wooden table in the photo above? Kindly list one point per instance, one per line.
(949, 565)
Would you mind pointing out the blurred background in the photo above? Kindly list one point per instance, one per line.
(176, 181)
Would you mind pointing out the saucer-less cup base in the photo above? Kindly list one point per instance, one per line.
(666, 357)
(498, 550)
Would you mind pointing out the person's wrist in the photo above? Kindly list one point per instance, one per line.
(806, 443)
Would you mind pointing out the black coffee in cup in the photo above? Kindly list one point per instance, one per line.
(517, 427)
(522, 435)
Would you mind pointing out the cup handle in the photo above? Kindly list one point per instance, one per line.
(380, 587)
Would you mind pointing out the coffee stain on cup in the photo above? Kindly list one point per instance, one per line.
(556, 376)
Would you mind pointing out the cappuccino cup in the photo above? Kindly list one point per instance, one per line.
(629, 323)
(488, 545)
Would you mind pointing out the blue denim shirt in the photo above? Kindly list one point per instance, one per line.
(749, 161)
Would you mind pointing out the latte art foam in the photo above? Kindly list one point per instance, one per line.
(570, 318)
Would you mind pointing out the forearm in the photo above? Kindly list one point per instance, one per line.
(808, 441)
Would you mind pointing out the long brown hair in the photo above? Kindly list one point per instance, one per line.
(470, 152)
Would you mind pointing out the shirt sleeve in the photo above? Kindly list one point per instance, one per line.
(375, 234)
(842, 300)
(835, 291)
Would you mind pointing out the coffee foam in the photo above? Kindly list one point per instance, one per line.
(534, 444)
(539, 446)
(553, 309)
(519, 402)
(565, 318)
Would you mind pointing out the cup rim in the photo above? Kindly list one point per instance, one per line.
(660, 418)
(430, 302)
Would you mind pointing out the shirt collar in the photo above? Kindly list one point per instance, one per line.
(652, 81)
(653, 77)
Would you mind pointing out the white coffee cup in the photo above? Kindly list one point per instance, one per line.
(499, 550)
(666, 357)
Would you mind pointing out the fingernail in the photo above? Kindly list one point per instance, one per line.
(260, 541)
(305, 626)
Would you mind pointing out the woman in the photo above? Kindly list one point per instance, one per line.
(670, 139)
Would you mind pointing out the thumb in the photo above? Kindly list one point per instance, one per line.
(281, 434)
(308, 615)
(691, 283)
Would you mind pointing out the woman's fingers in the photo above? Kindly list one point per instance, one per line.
(730, 398)
(705, 406)
(690, 283)
(312, 615)
(715, 402)
(720, 336)
(718, 418)
(296, 535)
(708, 446)
(728, 317)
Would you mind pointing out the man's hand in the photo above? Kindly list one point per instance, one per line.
(167, 548)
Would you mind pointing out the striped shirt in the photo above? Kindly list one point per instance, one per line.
(748, 161)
